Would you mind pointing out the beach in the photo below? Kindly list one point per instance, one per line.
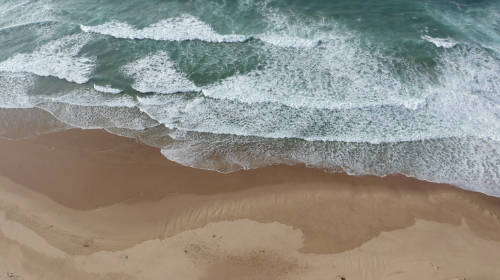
(86, 204)
(249, 140)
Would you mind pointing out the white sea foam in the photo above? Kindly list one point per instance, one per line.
(321, 98)
(465, 162)
(339, 75)
(468, 93)
(282, 104)
(440, 42)
(87, 108)
(181, 28)
(57, 58)
(88, 97)
(259, 87)
(453, 137)
(98, 116)
(338, 92)
(291, 32)
(326, 69)
(288, 41)
(9, 6)
(187, 27)
(14, 91)
(16, 13)
(156, 73)
(271, 120)
(107, 89)
(480, 23)
(80, 107)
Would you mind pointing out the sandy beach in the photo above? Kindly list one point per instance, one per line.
(249, 140)
(86, 204)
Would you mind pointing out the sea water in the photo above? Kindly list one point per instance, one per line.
(364, 87)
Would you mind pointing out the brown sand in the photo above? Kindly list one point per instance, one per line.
(91, 205)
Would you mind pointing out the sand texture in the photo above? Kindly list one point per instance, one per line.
(85, 204)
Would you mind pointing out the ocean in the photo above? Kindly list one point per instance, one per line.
(364, 87)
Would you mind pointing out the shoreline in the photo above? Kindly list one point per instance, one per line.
(85, 199)
(91, 150)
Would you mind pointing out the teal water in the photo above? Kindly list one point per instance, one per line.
(365, 87)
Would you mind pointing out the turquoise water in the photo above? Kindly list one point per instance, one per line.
(366, 87)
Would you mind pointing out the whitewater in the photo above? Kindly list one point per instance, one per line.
(386, 87)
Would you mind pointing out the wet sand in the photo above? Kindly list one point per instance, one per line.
(85, 204)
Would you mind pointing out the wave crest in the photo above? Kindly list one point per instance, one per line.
(183, 28)
(440, 42)
(156, 73)
(57, 58)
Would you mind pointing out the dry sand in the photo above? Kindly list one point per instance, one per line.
(91, 205)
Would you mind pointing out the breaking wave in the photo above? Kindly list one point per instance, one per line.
(286, 87)
(57, 58)
(181, 28)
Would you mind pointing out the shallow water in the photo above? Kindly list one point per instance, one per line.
(366, 87)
